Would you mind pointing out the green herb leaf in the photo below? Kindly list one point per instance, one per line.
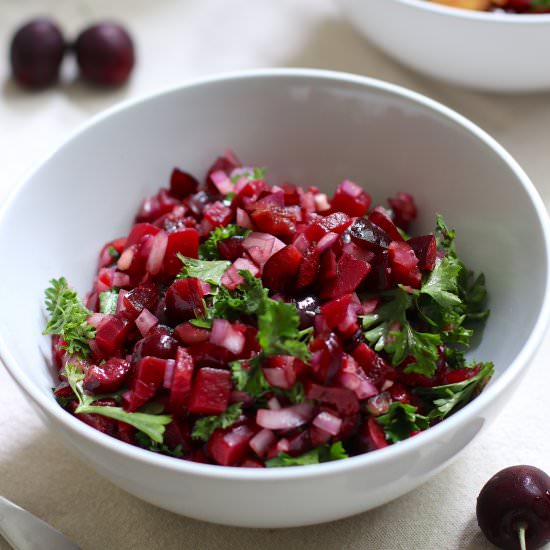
(278, 332)
(244, 300)
(108, 301)
(442, 283)
(400, 420)
(151, 425)
(208, 271)
(146, 442)
(325, 453)
(250, 379)
(204, 427)
(209, 249)
(68, 317)
(449, 398)
(256, 173)
(113, 252)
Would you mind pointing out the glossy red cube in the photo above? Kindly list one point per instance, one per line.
(182, 379)
(210, 392)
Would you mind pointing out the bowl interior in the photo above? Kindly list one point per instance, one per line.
(310, 129)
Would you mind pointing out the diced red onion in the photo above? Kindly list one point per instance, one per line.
(307, 202)
(231, 278)
(301, 242)
(224, 334)
(243, 219)
(145, 321)
(353, 377)
(286, 418)
(276, 199)
(156, 256)
(222, 182)
(120, 305)
(102, 287)
(369, 306)
(328, 422)
(283, 445)
(276, 377)
(105, 257)
(379, 404)
(273, 404)
(262, 441)
(169, 373)
(125, 260)
(95, 319)
(327, 241)
(350, 188)
(321, 202)
(121, 279)
(387, 385)
(264, 245)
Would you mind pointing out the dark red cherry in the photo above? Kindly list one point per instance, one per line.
(36, 53)
(513, 508)
(105, 54)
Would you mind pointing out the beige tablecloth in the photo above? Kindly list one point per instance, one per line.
(179, 39)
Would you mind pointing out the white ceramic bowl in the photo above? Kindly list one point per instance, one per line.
(311, 126)
(498, 52)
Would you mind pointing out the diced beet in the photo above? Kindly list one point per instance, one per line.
(318, 437)
(336, 311)
(326, 358)
(196, 203)
(189, 334)
(182, 184)
(218, 214)
(64, 390)
(375, 367)
(159, 342)
(138, 233)
(180, 389)
(280, 270)
(460, 375)
(404, 210)
(399, 393)
(381, 218)
(274, 221)
(425, 249)
(376, 436)
(186, 242)
(206, 354)
(350, 199)
(342, 399)
(404, 265)
(126, 432)
(231, 248)
(210, 393)
(369, 235)
(309, 268)
(252, 462)
(228, 447)
(358, 252)
(99, 422)
(328, 266)
(148, 379)
(112, 333)
(308, 307)
(178, 434)
(184, 300)
(350, 274)
(108, 377)
(142, 297)
(337, 222)
(379, 277)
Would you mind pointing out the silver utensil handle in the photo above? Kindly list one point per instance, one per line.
(24, 531)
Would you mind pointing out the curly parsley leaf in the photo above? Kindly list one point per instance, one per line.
(325, 453)
(244, 300)
(68, 317)
(204, 427)
(449, 398)
(208, 271)
(151, 425)
(442, 283)
(209, 249)
(400, 420)
(108, 301)
(248, 376)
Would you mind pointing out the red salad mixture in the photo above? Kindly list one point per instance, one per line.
(244, 324)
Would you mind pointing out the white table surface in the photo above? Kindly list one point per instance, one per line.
(177, 40)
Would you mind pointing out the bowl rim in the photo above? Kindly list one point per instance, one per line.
(473, 15)
(460, 419)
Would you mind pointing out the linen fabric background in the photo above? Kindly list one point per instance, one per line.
(177, 40)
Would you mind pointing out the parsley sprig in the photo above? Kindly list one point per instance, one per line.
(152, 425)
(401, 420)
(325, 453)
(210, 271)
(204, 427)
(209, 249)
(68, 317)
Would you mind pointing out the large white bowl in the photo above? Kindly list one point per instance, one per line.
(498, 52)
(311, 126)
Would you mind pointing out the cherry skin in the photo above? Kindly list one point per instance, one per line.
(105, 54)
(36, 52)
(514, 503)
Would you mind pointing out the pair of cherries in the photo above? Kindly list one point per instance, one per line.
(104, 53)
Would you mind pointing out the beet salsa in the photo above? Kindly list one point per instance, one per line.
(244, 324)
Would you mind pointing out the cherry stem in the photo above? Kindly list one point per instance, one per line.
(522, 527)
